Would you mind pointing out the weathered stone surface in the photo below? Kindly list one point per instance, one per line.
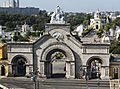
(78, 54)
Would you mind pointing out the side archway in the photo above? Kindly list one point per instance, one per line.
(3, 70)
(66, 63)
(19, 65)
(94, 65)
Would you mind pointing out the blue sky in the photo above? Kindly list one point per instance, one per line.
(73, 5)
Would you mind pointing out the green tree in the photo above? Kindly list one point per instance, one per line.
(107, 27)
(3, 40)
(35, 27)
(113, 25)
(10, 25)
(86, 31)
(15, 38)
(119, 37)
(99, 33)
(9, 29)
(117, 21)
(115, 47)
(28, 33)
(21, 38)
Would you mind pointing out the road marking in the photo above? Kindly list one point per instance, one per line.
(1, 86)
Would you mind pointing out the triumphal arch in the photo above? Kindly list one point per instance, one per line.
(58, 53)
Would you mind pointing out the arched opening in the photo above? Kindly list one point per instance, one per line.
(2, 70)
(115, 69)
(56, 64)
(19, 66)
(56, 57)
(94, 68)
(96, 26)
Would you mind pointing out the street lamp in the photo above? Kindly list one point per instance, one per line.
(98, 79)
(98, 83)
(86, 78)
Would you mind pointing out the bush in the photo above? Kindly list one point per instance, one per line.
(9, 29)
(115, 47)
(86, 31)
(3, 40)
(15, 38)
(35, 34)
(21, 38)
(99, 33)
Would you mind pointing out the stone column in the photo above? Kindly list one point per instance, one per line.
(38, 64)
(30, 69)
(67, 70)
(72, 70)
(27, 70)
(84, 70)
(42, 69)
(9, 69)
(107, 72)
(49, 70)
(104, 72)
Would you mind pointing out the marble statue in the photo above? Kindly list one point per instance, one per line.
(111, 32)
(52, 18)
(80, 30)
(117, 32)
(105, 39)
(58, 35)
(57, 9)
(57, 16)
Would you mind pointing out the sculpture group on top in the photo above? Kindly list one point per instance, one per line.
(57, 17)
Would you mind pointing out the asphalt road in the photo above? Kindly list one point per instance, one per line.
(26, 83)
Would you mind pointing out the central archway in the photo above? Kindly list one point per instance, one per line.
(58, 61)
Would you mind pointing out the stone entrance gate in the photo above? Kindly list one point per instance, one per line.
(58, 38)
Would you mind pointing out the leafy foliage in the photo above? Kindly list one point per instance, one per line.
(99, 33)
(58, 56)
(21, 38)
(86, 31)
(15, 38)
(107, 27)
(35, 34)
(115, 47)
(77, 19)
(11, 20)
(117, 21)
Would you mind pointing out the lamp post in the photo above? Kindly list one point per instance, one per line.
(86, 74)
(98, 79)
(98, 83)
(34, 78)
(86, 78)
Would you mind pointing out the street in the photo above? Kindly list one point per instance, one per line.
(27, 83)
